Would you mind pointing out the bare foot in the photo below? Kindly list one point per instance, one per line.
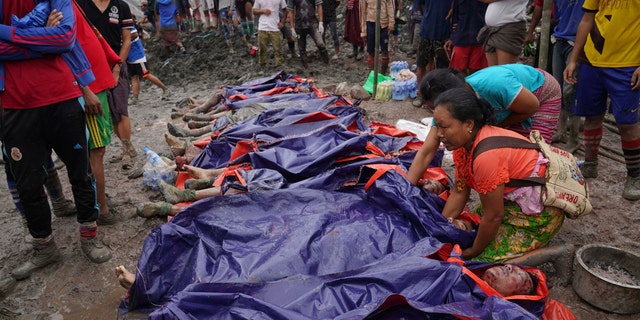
(199, 173)
(125, 278)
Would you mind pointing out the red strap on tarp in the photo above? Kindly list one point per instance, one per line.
(242, 147)
(202, 143)
(392, 131)
(380, 170)
(278, 90)
(554, 310)
(237, 96)
(315, 117)
(229, 173)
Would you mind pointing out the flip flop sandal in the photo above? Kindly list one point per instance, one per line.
(127, 165)
(116, 159)
(136, 173)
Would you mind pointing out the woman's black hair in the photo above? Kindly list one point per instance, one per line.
(534, 283)
(438, 81)
(463, 105)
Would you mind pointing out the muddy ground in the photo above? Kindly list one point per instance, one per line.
(79, 289)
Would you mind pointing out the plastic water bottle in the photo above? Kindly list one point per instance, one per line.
(405, 88)
(397, 92)
(152, 157)
(404, 65)
(156, 169)
(393, 69)
(413, 87)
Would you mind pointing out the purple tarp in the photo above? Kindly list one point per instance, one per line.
(309, 241)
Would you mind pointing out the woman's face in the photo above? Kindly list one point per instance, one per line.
(452, 132)
(508, 280)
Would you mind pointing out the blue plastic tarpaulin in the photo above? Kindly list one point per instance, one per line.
(330, 227)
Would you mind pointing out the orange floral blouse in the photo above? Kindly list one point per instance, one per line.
(496, 166)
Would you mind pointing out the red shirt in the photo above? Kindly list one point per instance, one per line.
(37, 82)
(101, 58)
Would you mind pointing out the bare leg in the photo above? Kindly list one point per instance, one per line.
(135, 88)
(96, 160)
(181, 132)
(125, 278)
(153, 80)
(199, 173)
(178, 147)
(123, 131)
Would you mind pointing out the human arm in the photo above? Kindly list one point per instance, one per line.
(36, 18)
(391, 13)
(423, 157)
(319, 12)
(258, 9)
(54, 40)
(493, 212)
(283, 20)
(581, 38)
(456, 202)
(291, 11)
(363, 21)
(524, 105)
(126, 23)
(535, 19)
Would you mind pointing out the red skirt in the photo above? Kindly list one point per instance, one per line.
(352, 26)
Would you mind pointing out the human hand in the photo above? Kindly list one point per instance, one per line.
(468, 253)
(116, 74)
(320, 28)
(528, 38)
(293, 33)
(91, 102)
(569, 73)
(54, 18)
(635, 79)
(266, 11)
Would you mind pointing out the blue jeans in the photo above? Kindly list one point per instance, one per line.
(331, 26)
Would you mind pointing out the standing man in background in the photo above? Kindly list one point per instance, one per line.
(113, 19)
(612, 66)
(270, 22)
